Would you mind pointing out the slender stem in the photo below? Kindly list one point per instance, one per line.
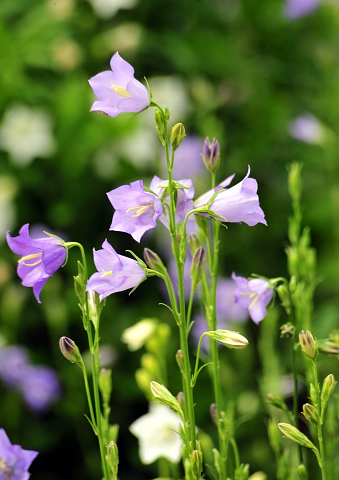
(320, 421)
(295, 395)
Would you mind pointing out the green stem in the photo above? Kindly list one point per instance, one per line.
(295, 395)
(320, 421)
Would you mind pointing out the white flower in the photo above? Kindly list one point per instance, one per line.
(158, 435)
(307, 128)
(108, 8)
(26, 133)
(136, 336)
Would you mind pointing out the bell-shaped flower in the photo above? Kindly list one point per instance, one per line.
(41, 258)
(254, 295)
(236, 204)
(184, 197)
(14, 460)
(158, 434)
(136, 211)
(115, 272)
(117, 90)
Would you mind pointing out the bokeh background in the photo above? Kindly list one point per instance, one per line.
(260, 76)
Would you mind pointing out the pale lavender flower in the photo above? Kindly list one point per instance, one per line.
(14, 460)
(236, 204)
(184, 197)
(115, 272)
(307, 128)
(254, 295)
(294, 9)
(41, 258)
(136, 211)
(13, 363)
(187, 160)
(40, 386)
(117, 90)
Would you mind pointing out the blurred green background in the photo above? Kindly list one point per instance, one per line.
(240, 71)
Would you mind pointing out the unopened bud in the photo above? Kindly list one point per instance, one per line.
(105, 384)
(164, 396)
(276, 401)
(307, 344)
(294, 180)
(160, 126)
(287, 330)
(197, 268)
(180, 361)
(214, 413)
(302, 472)
(181, 400)
(79, 288)
(193, 242)
(295, 435)
(113, 458)
(284, 296)
(258, 476)
(310, 413)
(177, 135)
(196, 463)
(154, 262)
(70, 350)
(228, 338)
(327, 390)
(211, 154)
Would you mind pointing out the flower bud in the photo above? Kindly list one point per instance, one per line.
(177, 135)
(181, 400)
(310, 413)
(284, 296)
(154, 262)
(79, 288)
(105, 384)
(197, 267)
(302, 472)
(276, 401)
(164, 396)
(294, 180)
(70, 350)
(214, 413)
(307, 344)
(196, 463)
(295, 435)
(228, 338)
(160, 126)
(211, 154)
(327, 390)
(180, 361)
(193, 242)
(113, 458)
(274, 436)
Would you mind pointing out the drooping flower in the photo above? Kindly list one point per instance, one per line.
(136, 211)
(184, 197)
(117, 90)
(254, 295)
(14, 460)
(158, 436)
(41, 258)
(115, 272)
(236, 204)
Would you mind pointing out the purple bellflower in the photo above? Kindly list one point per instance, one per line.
(294, 9)
(40, 387)
(254, 295)
(41, 258)
(236, 204)
(117, 90)
(115, 272)
(184, 197)
(14, 460)
(136, 211)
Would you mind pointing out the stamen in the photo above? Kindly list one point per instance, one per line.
(140, 210)
(255, 299)
(121, 91)
(106, 273)
(251, 295)
(8, 471)
(29, 257)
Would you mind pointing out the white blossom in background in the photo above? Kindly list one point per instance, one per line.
(136, 336)
(26, 133)
(158, 436)
(8, 189)
(108, 8)
(307, 128)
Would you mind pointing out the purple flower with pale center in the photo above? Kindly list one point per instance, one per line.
(184, 197)
(136, 211)
(294, 9)
(236, 204)
(117, 90)
(254, 295)
(41, 257)
(14, 460)
(40, 387)
(115, 272)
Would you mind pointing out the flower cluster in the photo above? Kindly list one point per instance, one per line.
(38, 384)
